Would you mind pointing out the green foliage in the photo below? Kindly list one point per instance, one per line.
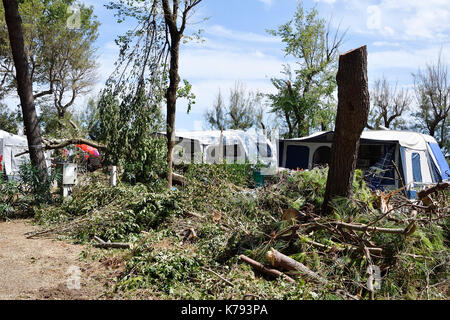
(9, 192)
(174, 253)
(162, 267)
(148, 164)
(305, 98)
(26, 195)
(8, 120)
(127, 128)
(118, 213)
(32, 185)
(62, 59)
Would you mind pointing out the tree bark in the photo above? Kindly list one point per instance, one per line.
(279, 260)
(174, 79)
(259, 267)
(25, 86)
(172, 102)
(352, 114)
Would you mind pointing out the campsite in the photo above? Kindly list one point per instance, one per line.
(148, 152)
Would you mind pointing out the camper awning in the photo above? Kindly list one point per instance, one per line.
(407, 139)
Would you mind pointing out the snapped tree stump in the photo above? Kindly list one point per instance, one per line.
(352, 114)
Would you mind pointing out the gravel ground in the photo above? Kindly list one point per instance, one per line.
(44, 268)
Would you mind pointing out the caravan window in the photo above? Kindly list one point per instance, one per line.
(417, 170)
(264, 150)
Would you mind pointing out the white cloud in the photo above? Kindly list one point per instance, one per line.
(267, 2)
(326, 1)
(406, 20)
(389, 62)
(222, 32)
(220, 64)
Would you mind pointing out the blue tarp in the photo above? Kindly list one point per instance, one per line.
(442, 163)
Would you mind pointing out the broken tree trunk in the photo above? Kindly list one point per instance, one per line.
(352, 113)
(261, 268)
(279, 260)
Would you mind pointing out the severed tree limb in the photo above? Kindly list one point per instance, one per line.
(279, 260)
(363, 227)
(58, 144)
(373, 250)
(178, 179)
(261, 268)
(112, 245)
(439, 187)
(107, 245)
(219, 276)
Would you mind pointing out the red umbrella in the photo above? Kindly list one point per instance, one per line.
(91, 150)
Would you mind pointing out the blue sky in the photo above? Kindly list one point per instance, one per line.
(401, 36)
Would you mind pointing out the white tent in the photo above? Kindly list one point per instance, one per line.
(417, 157)
(237, 147)
(10, 145)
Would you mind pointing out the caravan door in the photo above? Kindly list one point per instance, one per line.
(417, 170)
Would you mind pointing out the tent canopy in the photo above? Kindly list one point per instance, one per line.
(10, 145)
(407, 139)
(417, 156)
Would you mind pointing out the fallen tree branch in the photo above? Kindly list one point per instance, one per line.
(178, 179)
(112, 245)
(58, 228)
(439, 187)
(107, 245)
(219, 276)
(363, 227)
(261, 268)
(279, 260)
(196, 215)
(58, 144)
(350, 247)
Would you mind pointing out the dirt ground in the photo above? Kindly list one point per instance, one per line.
(45, 268)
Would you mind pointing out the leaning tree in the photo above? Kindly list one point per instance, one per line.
(147, 75)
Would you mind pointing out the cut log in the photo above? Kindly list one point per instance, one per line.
(261, 268)
(178, 179)
(351, 119)
(112, 245)
(279, 260)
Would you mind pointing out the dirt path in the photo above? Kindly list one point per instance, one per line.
(40, 268)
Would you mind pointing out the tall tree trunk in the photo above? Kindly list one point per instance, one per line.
(24, 86)
(352, 114)
(174, 79)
